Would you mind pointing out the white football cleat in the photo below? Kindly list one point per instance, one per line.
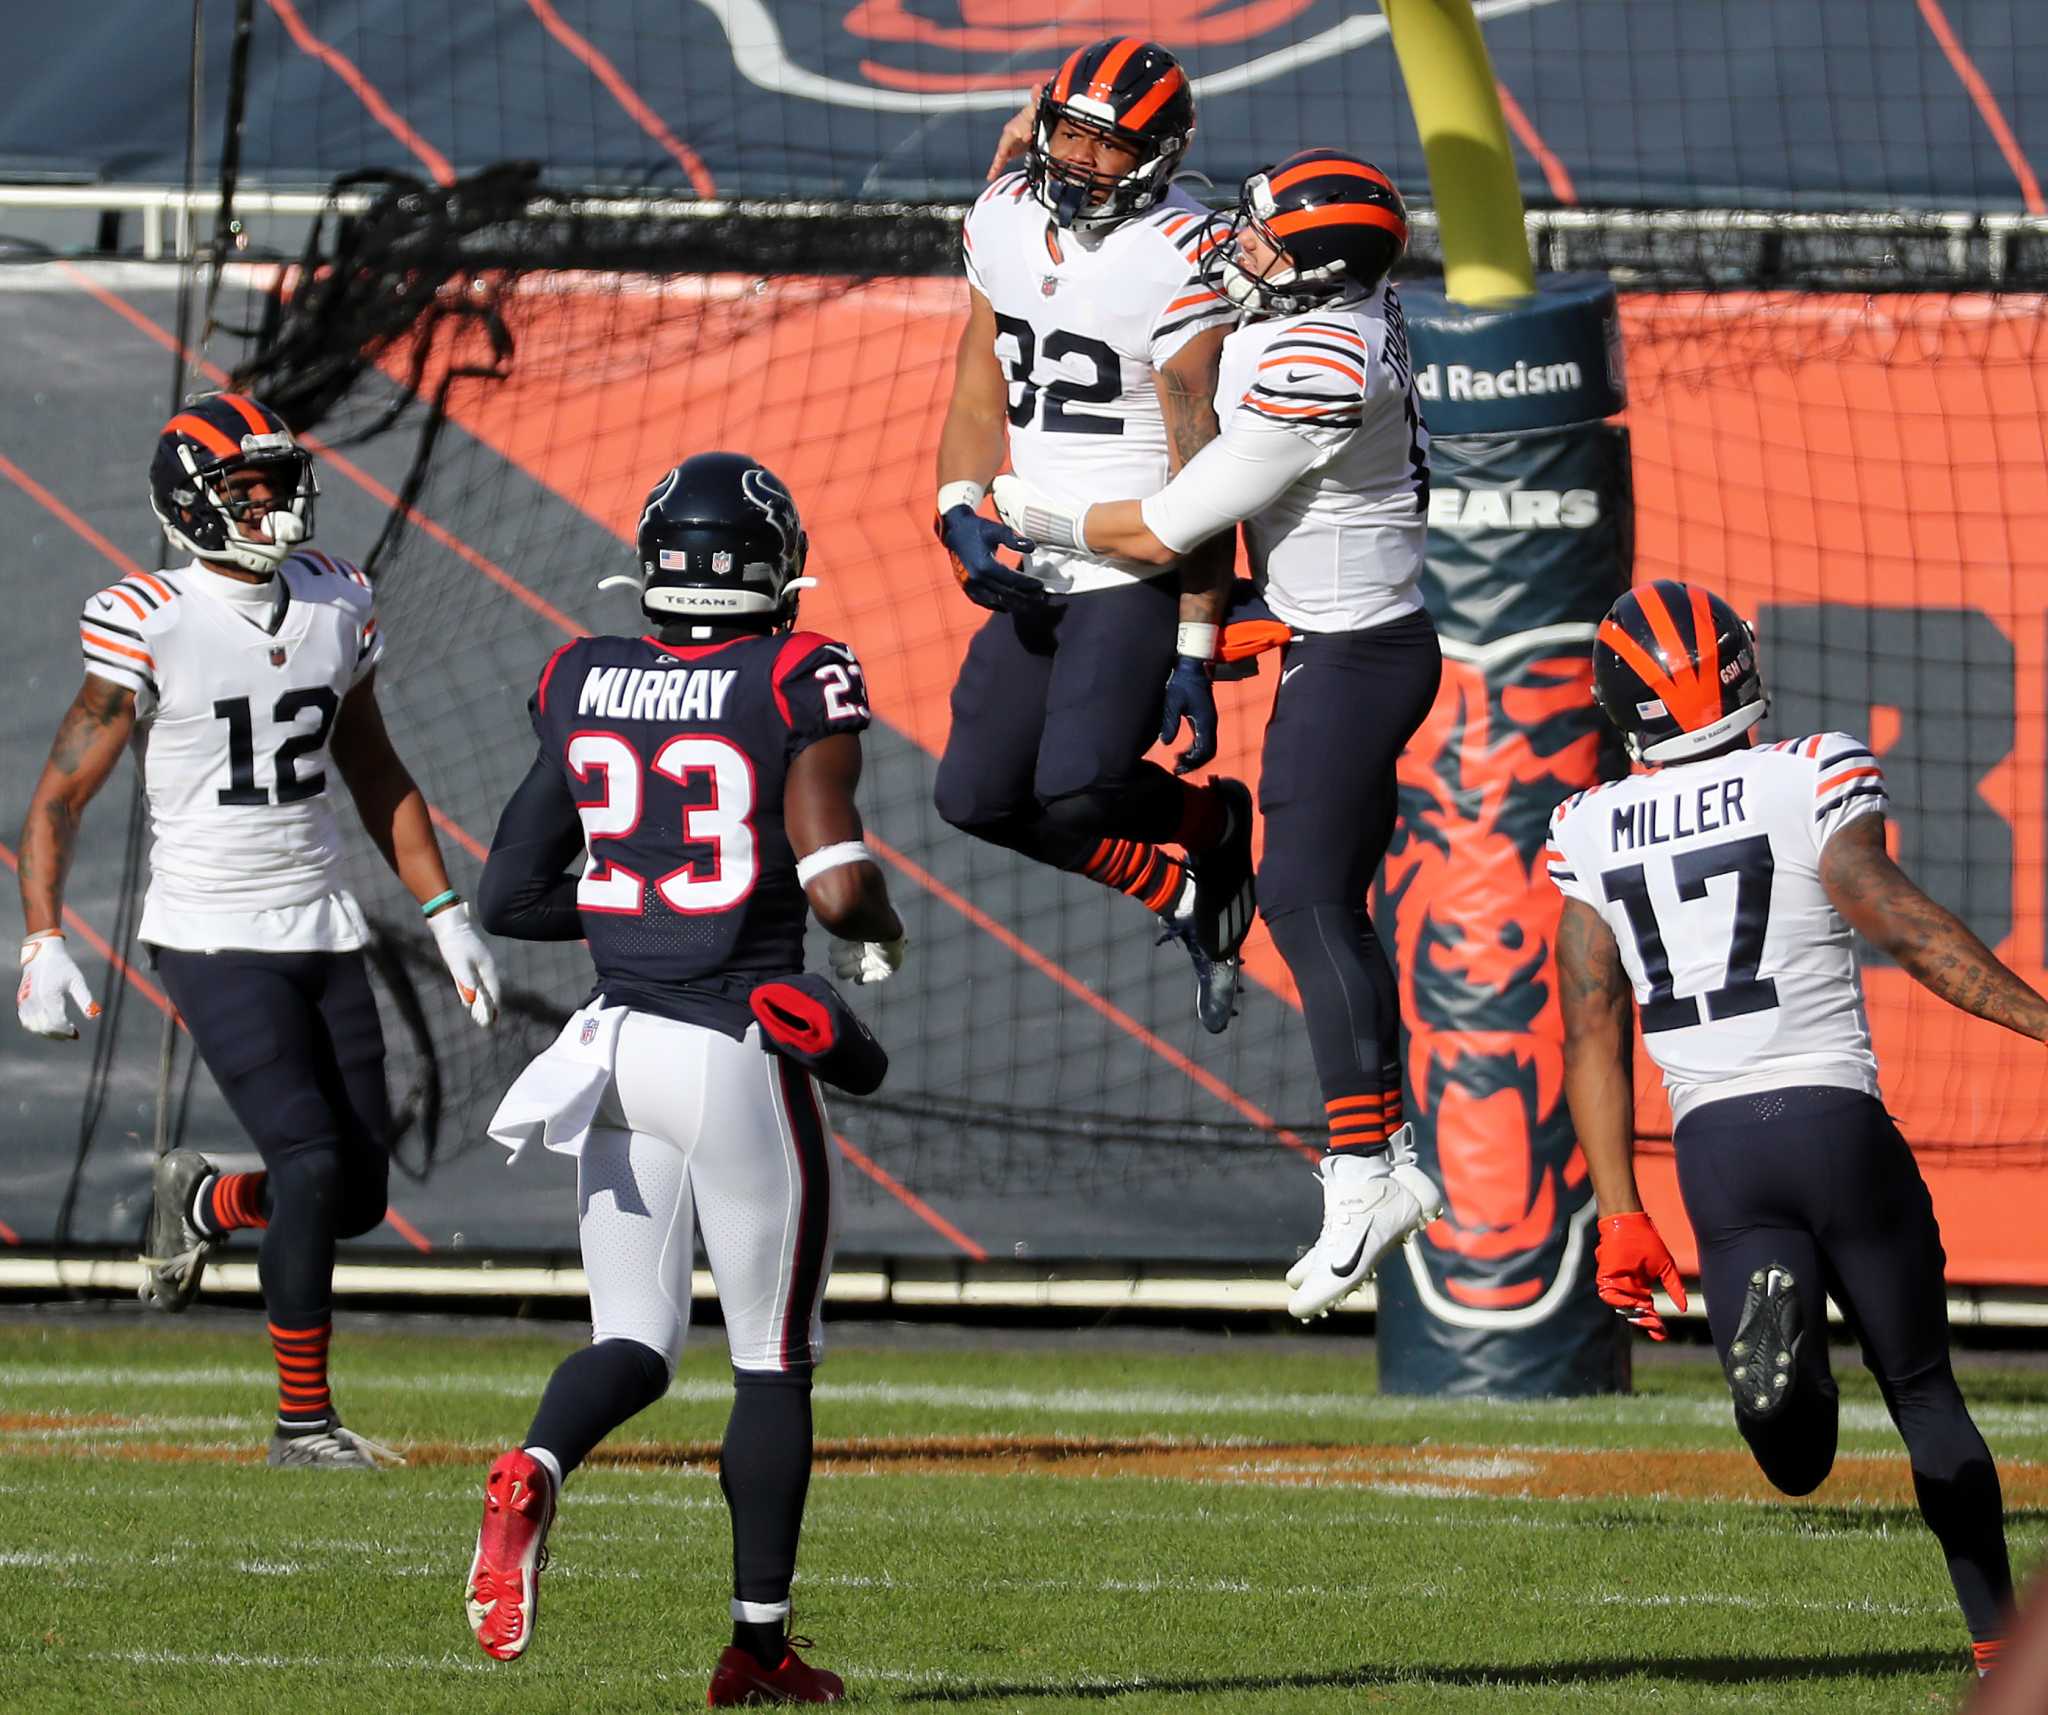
(1371, 1203)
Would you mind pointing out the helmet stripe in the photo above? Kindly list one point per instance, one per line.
(1339, 214)
(185, 423)
(1063, 85)
(1289, 176)
(1168, 86)
(250, 415)
(1638, 658)
(1692, 700)
(1101, 85)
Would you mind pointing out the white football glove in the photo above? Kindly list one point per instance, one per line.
(1032, 512)
(48, 979)
(864, 962)
(469, 962)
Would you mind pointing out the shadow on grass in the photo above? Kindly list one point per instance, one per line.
(1696, 1669)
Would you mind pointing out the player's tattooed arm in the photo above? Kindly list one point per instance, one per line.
(1187, 398)
(90, 739)
(1594, 995)
(1929, 942)
(392, 807)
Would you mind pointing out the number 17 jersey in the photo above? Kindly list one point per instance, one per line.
(1708, 873)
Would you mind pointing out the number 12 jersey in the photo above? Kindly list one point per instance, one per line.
(1708, 873)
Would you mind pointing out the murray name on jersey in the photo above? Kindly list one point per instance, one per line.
(1708, 875)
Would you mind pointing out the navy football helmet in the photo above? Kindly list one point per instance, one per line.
(1675, 668)
(1337, 221)
(720, 542)
(199, 449)
(1131, 92)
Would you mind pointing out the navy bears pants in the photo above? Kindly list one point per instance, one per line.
(1052, 715)
(1347, 703)
(1819, 1182)
(294, 1043)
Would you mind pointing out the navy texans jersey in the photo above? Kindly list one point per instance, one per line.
(665, 763)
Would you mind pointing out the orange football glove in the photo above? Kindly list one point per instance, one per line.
(1631, 1258)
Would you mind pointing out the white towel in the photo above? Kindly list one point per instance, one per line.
(554, 1100)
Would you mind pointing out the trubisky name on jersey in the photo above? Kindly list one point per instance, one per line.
(656, 693)
(1654, 821)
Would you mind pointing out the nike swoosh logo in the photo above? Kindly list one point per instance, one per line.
(1297, 375)
(839, 649)
(102, 601)
(1342, 1269)
(1291, 671)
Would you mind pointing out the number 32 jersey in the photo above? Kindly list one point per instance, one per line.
(676, 758)
(1082, 326)
(1708, 873)
(236, 691)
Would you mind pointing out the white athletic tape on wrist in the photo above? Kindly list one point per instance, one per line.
(1193, 638)
(967, 494)
(814, 864)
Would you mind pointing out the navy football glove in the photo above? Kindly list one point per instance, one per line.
(972, 540)
(1191, 698)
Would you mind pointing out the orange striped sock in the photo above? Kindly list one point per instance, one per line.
(1987, 1652)
(303, 1401)
(1143, 871)
(236, 1200)
(1363, 1122)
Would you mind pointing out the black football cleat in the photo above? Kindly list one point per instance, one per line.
(1763, 1357)
(175, 1262)
(1224, 900)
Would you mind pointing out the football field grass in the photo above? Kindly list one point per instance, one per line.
(1037, 1523)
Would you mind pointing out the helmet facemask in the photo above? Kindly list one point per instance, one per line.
(1281, 288)
(1080, 199)
(210, 520)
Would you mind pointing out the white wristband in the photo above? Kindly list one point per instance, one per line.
(1197, 640)
(967, 494)
(814, 864)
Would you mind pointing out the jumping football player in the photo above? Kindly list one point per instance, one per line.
(1721, 887)
(1090, 355)
(708, 768)
(242, 675)
(1325, 462)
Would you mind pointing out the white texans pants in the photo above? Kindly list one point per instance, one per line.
(701, 1132)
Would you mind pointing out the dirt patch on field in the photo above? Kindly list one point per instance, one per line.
(1432, 1471)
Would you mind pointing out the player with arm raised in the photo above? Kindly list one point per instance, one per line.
(1089, 356)
(707, 769)
(1324, 461)
(1720, 888)
(241, 675)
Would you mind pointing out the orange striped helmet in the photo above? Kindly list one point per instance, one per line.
(1130, 91)
(1337, 222)
(1675, 668)
(203, 445)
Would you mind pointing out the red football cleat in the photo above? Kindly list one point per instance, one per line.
(503, 1589)
(740, 1681)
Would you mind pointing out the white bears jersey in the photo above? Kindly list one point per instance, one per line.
(1709, 875)
(236, 692)
(1341, 548)
(1083, 323)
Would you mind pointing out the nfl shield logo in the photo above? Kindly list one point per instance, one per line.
(721, 564)
(277, 657)
(589, 1032)
(1048, 284)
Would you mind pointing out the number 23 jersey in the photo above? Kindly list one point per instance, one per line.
(1708, 873)
(1082, 327)
(237, 687)
(676, 757)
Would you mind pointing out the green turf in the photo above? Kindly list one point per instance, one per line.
(218, 1588)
